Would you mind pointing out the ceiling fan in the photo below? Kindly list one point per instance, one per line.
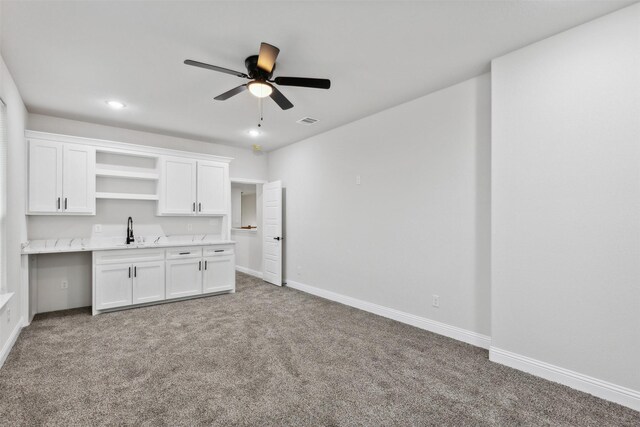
(260, 69)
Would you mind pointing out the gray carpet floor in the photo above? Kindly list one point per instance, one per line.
(269, 356)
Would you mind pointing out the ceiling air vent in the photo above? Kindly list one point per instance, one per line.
(307, 121)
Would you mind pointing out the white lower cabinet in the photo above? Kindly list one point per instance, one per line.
(184, 277)
(113, 286)
(219, 271)
(140, 276)
(148, 282)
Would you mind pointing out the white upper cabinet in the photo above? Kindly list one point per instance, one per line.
(79, 179)
(178, 191)
(213, 183)
(193, 187)
(61, 178)
(45, 176)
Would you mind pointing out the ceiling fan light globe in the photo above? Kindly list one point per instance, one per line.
(260, 89)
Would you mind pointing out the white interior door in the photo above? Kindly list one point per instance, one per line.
(272, 232)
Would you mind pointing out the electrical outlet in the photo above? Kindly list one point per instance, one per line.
(189, 227)
(436, 301)
(97, 228)
(64, 284)
(357, 179)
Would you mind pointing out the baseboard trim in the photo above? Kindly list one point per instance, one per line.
(6, 349)
(249, 271)
(602, 389)
(440, 328)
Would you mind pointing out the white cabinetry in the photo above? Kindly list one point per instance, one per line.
(178, 186)
(219, 270)
(148, 282)
(61, 178)
(138, 276)
(213, 186)
(125, 277)
(184, 272)
(113, 286)
(193, 187)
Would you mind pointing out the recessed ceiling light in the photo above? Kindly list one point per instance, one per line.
(116, 105)
(254, 133)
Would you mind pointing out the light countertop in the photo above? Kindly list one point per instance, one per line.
(93, 244)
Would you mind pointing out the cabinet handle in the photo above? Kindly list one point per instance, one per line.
(129, 272)
(199, 207)
(135, 271)
(199, 265)
(58, 203)
(194, 206)
(219, 250)
(184, 253)
(205, 264)
(65, 203)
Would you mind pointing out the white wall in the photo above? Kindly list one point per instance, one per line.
(566, 200)
(419, 222)
(246, 164)
(11, 315)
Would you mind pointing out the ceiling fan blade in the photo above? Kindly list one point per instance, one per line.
(303, 82)
(280, 99)
(267, 57)
(215, 68)
(228, 94)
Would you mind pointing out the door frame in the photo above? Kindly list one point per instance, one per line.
(258, 234)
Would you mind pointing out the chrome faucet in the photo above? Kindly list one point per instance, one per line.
(130, 238)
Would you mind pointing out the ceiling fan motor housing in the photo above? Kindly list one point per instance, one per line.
(257, 73)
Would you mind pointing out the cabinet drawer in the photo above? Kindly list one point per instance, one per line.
(128, 255)
(188, 252)
(218, 251)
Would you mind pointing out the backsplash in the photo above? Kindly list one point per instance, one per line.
(116, 212)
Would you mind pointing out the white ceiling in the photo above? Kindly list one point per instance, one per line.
(67, 57)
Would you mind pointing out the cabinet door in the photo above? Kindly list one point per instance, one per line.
(113, 286)
(79, 179)
(184, 277)
(148, 282)
(219, 274)
(45, 176)
(178, 187)
(213, 183)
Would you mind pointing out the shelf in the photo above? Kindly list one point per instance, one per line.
(126, 172)
(127, 196)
